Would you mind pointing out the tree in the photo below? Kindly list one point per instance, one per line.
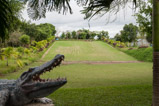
(74, 36)
(38, 32)
(10, 13)
(129, 33)
(103, 34)
(8, 52)
(68, 35)
(25, 40)
(117, 37)
(14, 38)
(63, 36)
(155, 33)
(144, 19)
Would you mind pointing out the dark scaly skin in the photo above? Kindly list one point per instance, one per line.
(29, 86)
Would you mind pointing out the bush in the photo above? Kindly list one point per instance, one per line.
(20, 50)
(25, 40)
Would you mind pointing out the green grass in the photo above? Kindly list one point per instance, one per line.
(143, 54)
(101, 85)
(104, 96)
(91, 51)
(127, 84)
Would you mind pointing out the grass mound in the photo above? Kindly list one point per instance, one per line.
(142, 54)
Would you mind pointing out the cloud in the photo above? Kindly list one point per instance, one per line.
(76, 20)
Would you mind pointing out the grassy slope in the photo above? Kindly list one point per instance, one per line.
(143, 54)
(99, 85)
(91, 51)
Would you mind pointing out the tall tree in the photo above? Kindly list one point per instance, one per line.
(144, 19)
(156, 53)
(129, 33)
(10, 13)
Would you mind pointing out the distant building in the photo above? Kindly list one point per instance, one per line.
(142, 42)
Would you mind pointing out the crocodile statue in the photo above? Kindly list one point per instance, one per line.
(30, 87)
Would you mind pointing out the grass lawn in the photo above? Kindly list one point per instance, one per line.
(127, 84)
(91, 51)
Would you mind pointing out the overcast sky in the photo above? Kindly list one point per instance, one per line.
(76, 20)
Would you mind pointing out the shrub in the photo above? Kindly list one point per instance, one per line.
(24, 39)
(20, 50)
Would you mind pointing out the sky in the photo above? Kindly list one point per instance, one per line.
(75, 21)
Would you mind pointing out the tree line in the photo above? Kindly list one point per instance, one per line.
(84, 34)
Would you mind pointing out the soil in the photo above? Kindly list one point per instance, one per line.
(39, 104)
(47, 51)
(98, 62)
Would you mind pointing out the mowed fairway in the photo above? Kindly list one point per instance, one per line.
(125, 84)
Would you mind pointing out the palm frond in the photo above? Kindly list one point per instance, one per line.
(38, 8)
(96, 7)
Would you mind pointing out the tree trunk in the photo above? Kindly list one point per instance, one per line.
(7, 62)
(155, 98)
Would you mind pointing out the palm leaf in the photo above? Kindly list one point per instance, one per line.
(38, 8)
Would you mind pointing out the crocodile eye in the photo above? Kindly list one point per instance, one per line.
(24, 75)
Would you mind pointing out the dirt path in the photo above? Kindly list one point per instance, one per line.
(47, 51)
(98, 62)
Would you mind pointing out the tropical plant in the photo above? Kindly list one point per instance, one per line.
(24, 39)
(8, 52)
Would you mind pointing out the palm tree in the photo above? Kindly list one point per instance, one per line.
(155, 53)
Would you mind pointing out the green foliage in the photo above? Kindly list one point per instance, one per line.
(63, 36)
(20, 63)
(33, 49)
(27, 51)
(8, 52)
(118, 37)
(20, 50)
(85, 34)
(24, 39)
(38, 32)
(68, 35)
(103, 34)
(142, 54)
(144, 19)
(10, 14)
(2, 55)
(74, 35)
(129, 33)
(13, 40)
